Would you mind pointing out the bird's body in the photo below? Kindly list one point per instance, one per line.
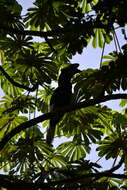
(61, 97)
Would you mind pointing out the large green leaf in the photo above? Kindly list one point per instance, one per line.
(9, 122)
(72, 150)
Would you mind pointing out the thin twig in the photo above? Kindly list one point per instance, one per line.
(118, 165)
(117, 41)
(102, 54)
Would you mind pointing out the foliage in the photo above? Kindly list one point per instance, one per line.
(30, 70)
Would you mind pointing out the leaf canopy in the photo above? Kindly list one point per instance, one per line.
(34, 47)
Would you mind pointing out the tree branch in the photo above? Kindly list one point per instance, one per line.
(49, 115)
(24, 126)
(34, 33)
(90, 175)
(16, 83)
(7, 182)
(50, 33)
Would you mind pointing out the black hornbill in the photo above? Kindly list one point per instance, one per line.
(61, 97)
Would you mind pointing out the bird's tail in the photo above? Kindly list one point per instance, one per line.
(50, 132)
(52, 127)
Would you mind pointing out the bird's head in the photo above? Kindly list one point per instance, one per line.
(70, 70)
(67, 73)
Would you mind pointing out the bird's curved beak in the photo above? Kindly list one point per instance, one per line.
(76, 65)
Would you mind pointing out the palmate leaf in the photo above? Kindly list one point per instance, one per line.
(36, 152)
(14, 43)
(34, 18)
(43, 14)
(119, 122)
(84, 122)
(104, 80)
(9, 122)
(105, 122)
(6, 100)
(44, 149)
(54, 160)
(110, 147)
(7, 83)
(89, 84)
(85, 6)
(14, 104)
(29, 67)
(44, 68)
(72, 150)
(26, 151)
(45, 94)
(9, 88)
(44, 99)
(115, 142)
(109, 59)
(42, 48)
(5, 158)
(100, 37)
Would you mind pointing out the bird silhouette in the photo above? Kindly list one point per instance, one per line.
(61, 97)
